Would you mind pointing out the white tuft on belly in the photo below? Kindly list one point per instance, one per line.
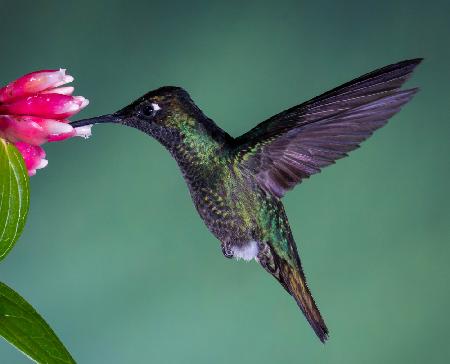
(247, 252)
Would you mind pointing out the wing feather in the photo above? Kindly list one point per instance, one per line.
(299, 142)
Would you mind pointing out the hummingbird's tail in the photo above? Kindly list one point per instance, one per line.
(290, 274)
(293, 279)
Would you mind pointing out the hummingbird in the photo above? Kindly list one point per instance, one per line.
(237, 184)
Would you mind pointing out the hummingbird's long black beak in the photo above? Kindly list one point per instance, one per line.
(109, 118)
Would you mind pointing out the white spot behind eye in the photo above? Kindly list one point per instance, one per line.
(156, 107)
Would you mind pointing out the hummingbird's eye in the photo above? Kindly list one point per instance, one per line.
(150, 110)
(147, 110)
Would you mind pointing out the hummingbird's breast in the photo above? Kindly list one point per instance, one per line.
(227, 202)
(226, 199)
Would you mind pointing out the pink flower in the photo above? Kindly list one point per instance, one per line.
(34, 110)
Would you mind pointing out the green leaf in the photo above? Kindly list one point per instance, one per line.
(14, 196)
(24, 328)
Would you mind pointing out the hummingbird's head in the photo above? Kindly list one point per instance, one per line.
(160, 113)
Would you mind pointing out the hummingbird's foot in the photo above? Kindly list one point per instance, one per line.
(227, 251)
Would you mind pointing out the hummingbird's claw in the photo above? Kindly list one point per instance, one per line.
(226, 251)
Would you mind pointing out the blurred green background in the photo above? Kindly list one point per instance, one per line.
(114, 255)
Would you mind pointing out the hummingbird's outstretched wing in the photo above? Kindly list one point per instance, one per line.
(300, 141)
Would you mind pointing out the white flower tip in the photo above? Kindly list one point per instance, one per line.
(68, 79)
(81, 101)
(84, 131)
(62, 74)
(56, 127)
(84, 103)
(42, 164)
(60, 78)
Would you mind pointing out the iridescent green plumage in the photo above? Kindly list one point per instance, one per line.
(237, 184)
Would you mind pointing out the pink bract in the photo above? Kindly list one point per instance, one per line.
(33, 155)
(33, 83)
(34, 110)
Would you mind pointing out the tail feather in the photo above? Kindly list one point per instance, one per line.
(295, 282)
(290, 275)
